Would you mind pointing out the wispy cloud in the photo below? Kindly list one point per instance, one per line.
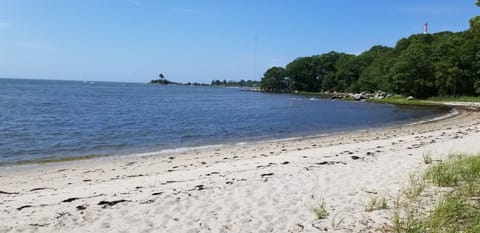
(4, 25)
(433, 9)
(188, 11)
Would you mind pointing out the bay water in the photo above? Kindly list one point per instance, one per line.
(53, 120)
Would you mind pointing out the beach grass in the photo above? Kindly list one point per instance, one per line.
(448, 202)
(456, 98)
(376, 203)
(320, 210)
(405, 101)
(427, 158)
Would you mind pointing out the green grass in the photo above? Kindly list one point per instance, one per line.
(456, 169)
(456, 182)
(456, 98)
(415, 187)
(427, 158)
(376, 203)
(320, 210)
(318, 94)
(404, 101)
(401, 100)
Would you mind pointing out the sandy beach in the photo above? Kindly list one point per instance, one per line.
(256, 187)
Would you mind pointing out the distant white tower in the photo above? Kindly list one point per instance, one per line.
(425, 28)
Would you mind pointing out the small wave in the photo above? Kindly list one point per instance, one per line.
(173, 150)
(453, 112)
(48, 160)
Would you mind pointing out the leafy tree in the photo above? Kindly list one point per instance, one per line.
(412, 72)
(347, 73)
(374, 65)
(275, 80)
(231, 83)
(301, 72)
(373, 77)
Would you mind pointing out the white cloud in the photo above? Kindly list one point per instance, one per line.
(4, 25)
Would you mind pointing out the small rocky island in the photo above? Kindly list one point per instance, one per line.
(161, 80)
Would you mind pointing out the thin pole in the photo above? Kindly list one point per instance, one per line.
(255, 58)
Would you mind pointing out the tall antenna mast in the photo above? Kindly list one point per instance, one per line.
(425, 28)
(255, 59)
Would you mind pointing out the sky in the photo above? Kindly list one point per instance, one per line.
(201, 40)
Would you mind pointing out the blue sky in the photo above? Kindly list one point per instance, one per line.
(135, 40)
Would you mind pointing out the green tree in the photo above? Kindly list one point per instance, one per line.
(373, 77)
(443, 63)
(301, 72)
(449, 68)
(326, 70)
(412, 72)
(347, 73)
(374, 65)
(275, 80)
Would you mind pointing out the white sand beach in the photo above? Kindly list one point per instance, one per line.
(256, 187)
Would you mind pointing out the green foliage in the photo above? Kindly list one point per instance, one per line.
(376, 203)
(231, 83)
(314, 73)
(427, 158)
(275, 80)
(161, 80)
(320, 210)
(415, 187)
(422, 65)
(456, 98)
(457, 208)
(404, 101)
(458, 168)
(412, 72)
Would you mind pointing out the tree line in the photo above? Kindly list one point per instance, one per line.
(232, 83)
(422, 65)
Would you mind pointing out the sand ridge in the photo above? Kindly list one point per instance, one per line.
(257, 187)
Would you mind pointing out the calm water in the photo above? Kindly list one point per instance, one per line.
(56, 119)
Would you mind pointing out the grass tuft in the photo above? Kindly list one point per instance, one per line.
(427, 158)
(336, 222)
(457, 181)
(415, 187)
(376, 203)
(320, 210)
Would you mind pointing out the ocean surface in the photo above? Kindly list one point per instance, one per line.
(48, 120)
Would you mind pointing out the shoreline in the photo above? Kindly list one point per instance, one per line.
(46, 161)
(261, 187)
